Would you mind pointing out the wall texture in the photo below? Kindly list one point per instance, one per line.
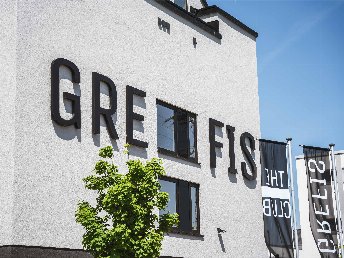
(8, 39)
(121, 39)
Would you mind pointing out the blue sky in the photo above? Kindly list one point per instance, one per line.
(300, 51)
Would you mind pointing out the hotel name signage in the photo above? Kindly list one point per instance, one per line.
(98, 111)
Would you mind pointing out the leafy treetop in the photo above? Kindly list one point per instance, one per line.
(123, 223)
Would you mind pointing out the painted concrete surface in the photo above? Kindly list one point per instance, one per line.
(8, 38)
(122, 40)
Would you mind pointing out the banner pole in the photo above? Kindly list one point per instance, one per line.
(339, 219)
(290, 161)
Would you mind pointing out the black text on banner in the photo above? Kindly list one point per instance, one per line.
(276, 199)
(321, 210)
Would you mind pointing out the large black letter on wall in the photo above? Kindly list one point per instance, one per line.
(230, 135)
(131, 116)
(248, 156)
(55, 91)
(97, 110)
(213, 144)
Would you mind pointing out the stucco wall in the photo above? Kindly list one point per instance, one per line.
(8, 39)
(122, 40)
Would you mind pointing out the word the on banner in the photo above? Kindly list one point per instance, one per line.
(276, 199)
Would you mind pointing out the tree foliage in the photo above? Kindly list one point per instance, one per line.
(123, 223)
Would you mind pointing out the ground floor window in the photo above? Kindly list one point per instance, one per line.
(184, 200)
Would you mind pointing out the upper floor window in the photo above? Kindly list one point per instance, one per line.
(176, 131)
(181, 3)
(184, 200)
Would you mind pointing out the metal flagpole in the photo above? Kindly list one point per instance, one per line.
(339, 219)
(290, 161)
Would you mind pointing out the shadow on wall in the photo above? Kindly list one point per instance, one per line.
(138, 152)
(218, 152)
(67, 133)
(213, 172)
(179, 160)
(189, 237)
(221, 242)
(96, 140)
(232, 178)
(41, 252)
(251, 184)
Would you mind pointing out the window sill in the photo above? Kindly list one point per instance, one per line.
(175, 155)
(182, 233)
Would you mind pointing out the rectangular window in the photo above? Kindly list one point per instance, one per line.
(166, 128)
(181, 3)
(177, 134)
(184, 200)
(170, 188)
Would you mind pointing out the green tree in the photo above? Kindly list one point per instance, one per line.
(123, 223)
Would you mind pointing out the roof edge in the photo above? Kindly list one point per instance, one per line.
(194, 19)
(215, 9)
(204, 2)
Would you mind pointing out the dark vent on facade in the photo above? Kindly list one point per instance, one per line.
(163, 25)
(193, 10)
(215, 25)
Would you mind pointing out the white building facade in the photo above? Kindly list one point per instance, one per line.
(66, 70)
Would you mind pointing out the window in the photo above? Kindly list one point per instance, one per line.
(181, 3)
(170, 188)
(194, 207)
(176, 132)
(184, 200)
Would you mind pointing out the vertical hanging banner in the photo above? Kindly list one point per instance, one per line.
(276, 198)
(320, 198)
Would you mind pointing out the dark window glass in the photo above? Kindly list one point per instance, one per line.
(182, 135)
(181, 3)
(166, 128)
(176, 131)
(184, 206)
(170, 188)
(184, 200)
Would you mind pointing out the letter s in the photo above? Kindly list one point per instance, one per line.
(322, 163)
(248, 156)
